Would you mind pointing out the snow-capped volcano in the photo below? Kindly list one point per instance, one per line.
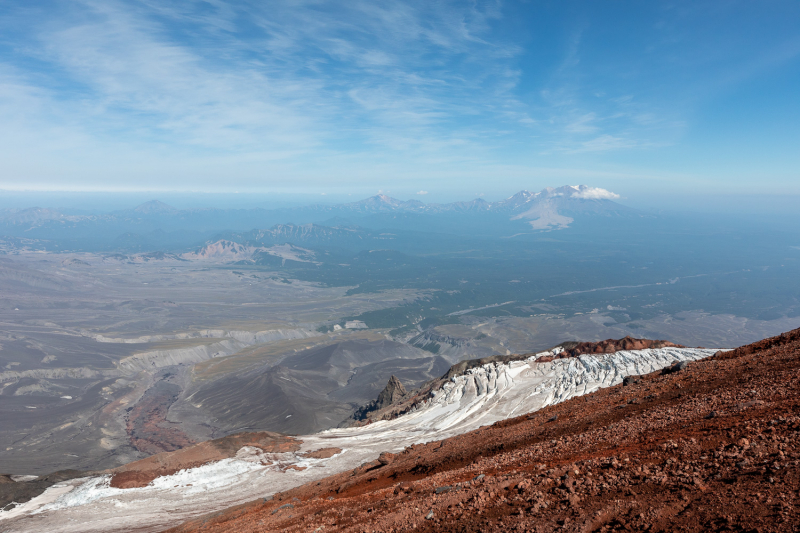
(556, 208)
(578, 192)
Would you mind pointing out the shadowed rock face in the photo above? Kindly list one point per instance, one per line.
(394, 391)
(392, 394)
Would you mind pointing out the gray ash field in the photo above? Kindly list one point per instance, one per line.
(91, 369)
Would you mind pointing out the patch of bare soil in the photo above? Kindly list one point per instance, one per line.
(142, 472)
(323, 453)
(709, 446)
(147, 425)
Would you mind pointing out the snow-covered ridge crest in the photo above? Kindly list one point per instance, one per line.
(481, 396)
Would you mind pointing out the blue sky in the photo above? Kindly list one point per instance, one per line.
(453, 98)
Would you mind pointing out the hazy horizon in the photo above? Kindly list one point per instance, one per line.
(765, 205)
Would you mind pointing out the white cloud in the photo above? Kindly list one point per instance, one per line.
(583, 124)
(422, 192)
(593, 193)
(604, 143)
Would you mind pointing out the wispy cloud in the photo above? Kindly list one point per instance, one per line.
(205, 92)
(275, 80)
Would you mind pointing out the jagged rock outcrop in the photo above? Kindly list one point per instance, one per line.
(392, 393)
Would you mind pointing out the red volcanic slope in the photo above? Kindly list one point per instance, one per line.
(713, 447)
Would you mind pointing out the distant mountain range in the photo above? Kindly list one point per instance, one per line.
(524, 204)
(156, 225)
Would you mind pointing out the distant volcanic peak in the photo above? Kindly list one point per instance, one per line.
(527, 200)
(521, 198)
(383, 199)
(154, 207)
(379, 202)
(524, 194)
(554, 208)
